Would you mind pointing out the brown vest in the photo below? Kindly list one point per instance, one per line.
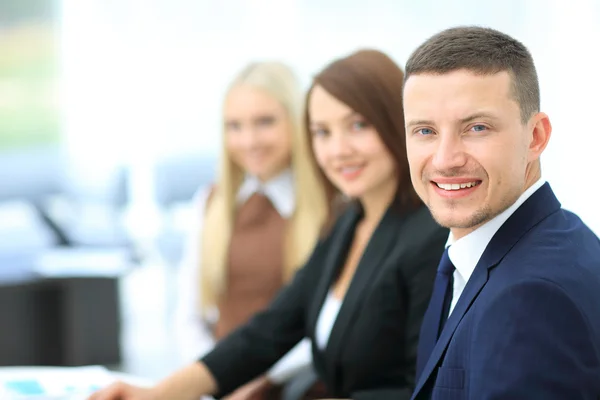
(255, 263)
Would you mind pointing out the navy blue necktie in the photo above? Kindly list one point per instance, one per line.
(437, 312)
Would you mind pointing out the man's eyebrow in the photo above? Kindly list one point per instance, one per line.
(464, 120)
(420, 122)
(478, 115)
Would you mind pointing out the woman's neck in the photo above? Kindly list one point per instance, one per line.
(376, 203)
(266, 178)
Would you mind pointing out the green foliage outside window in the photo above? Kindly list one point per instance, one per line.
(29, 101)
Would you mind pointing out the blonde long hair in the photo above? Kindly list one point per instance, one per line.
(311, 210)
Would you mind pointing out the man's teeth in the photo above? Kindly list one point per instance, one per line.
(456, 186)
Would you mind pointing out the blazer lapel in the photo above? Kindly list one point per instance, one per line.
(338, 249)
(376, 253)
(474, 286)
(537, 207)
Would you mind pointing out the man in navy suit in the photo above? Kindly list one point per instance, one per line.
(515, 312)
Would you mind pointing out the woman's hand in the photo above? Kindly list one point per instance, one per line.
(189, 383)
(123, 391)
(258, 389)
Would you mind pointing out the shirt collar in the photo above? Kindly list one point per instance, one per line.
(466, 251)
(280, 191)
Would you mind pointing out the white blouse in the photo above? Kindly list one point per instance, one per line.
(193, 339)
(327, 317)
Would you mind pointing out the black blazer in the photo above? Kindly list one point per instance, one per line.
(371, 352)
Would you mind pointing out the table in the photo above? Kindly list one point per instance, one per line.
(59, 321)
(63, 383)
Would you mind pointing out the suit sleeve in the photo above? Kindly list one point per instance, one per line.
(417, 283)
(294, 362)
(269, 335)
(533, 342)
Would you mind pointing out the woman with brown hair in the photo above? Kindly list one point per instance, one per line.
(362, 294)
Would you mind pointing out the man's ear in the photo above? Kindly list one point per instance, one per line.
(541, 130)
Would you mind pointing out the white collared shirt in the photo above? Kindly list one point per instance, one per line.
(280, 191)
(466, 251)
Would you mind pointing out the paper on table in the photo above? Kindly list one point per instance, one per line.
(50, 383)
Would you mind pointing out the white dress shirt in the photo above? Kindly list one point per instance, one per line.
(466, 251)
(193, 339)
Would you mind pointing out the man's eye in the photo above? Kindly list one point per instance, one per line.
(425, 131)
(479, 128)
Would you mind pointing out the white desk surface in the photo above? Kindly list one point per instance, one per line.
(64, 383)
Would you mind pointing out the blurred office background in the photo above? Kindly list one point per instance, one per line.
(110, 120)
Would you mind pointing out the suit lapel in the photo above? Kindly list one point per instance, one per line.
(540, 205)
(376, 253)
(472, 289)
(341, 240)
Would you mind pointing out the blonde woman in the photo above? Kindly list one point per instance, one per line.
(259, 221)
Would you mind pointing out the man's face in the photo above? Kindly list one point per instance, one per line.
(469, 152)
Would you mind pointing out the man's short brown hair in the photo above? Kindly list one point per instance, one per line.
(482, 51)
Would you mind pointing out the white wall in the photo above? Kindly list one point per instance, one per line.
(146, 77)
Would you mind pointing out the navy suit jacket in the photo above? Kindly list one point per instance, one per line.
(527, 325)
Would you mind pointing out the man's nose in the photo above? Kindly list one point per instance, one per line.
(449, 153)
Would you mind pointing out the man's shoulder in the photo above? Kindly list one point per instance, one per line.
(561, 250)
(559, 237)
